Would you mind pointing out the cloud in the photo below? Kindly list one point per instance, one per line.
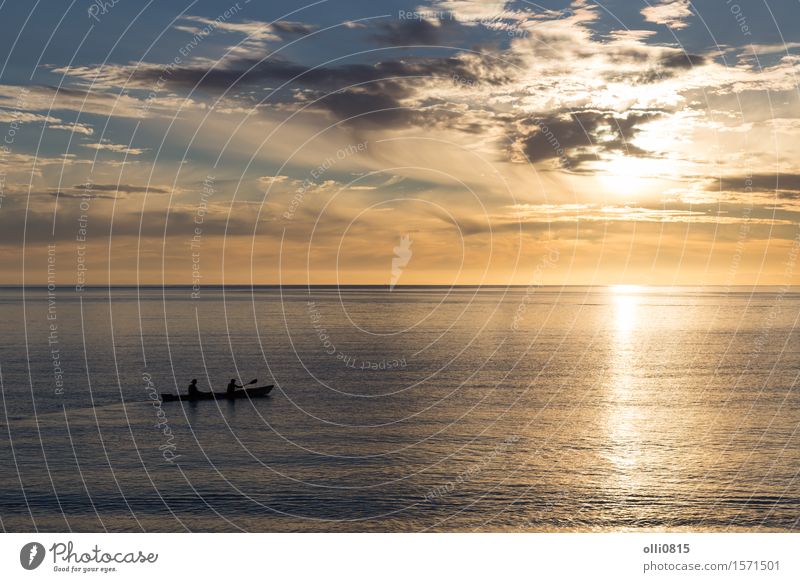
(106, 145)
(290, 27)
(757, 183)
(16, 116)
(127, 188)
(24, 163)
(81, 128)
(672, 13)
(249, 72)
(471, 11)
(577, 137)
(536, 76)
(549, 213)
(46, 98)
(37, 225)
(682, 60)
(376, 106)
(60, 194)
(413, 32)
(618, 92)
(253, 29)
(104, 191)
(271, 180)
(257, 34)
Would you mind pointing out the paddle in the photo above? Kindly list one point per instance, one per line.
(253, 381)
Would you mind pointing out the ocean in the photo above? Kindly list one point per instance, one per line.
(412, 409)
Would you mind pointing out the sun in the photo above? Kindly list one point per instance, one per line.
(628, 175)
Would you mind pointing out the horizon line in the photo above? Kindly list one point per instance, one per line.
(370, 286)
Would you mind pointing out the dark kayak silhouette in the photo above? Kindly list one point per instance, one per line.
(258, 392)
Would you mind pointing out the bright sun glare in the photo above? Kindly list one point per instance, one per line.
(628, 175)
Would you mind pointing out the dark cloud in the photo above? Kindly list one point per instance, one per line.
(127, 188)
(682, 60)
(789, 184)
(368, 107)
(104, 191)
(379, 95)
(289, 27)
(382, 106)
(667, 67)
(414, 32)
(81, 194)
(36, 227)
(568, 136)
(251, 72)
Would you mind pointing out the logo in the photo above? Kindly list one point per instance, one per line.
(31, 555)
(400, 261)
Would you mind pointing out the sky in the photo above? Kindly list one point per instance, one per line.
(452, 142)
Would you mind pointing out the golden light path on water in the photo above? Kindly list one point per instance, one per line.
(648, 417)
(625, 412)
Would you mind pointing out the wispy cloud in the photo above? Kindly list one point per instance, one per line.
(257, 34)
(81, 128)
(672, 13)
(547, 213)
(15, 116)
(471, 11)
(106, 191)
(115, 148)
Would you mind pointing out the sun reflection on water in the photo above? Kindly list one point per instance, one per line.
(626, 306)
(623, 423)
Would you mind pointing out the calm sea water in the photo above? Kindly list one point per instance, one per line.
(544, 409)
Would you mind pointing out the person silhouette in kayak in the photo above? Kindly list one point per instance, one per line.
(232, 386)
(193, 391)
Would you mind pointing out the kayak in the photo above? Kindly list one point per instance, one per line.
(259, 392)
